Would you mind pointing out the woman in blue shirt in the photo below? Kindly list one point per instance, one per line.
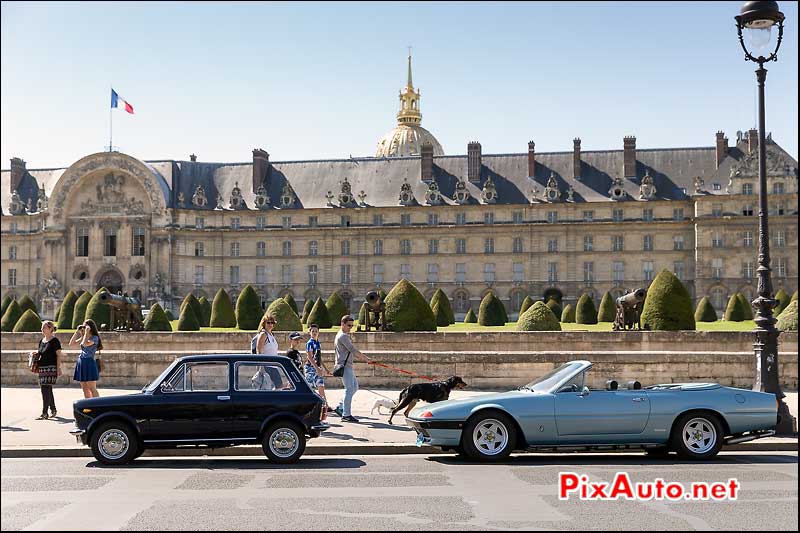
(86, 371)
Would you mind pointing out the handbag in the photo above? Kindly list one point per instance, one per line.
(33, 362)
(338, 369)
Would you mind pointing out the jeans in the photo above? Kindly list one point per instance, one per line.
(350, 388)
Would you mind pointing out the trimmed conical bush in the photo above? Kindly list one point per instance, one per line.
(307, 307)
(11, 316)
(79, 311)
(783, 301)
(286, 318)
(526, 303)
(157, 319)
(440, 297)
(98, 311)
(668, 305)
(747, 307)
(568, 314)
(248, 309)
(336, 307)
(734, 312)
(442, 317)
(290, 300)
(788, 319)
(608, 309)
(470, 317)
(554, 306)
(705, 311)
(29, 321)
(169, 314)
(539, 317)
(197, 307)
(205, 305)
(4, 305)
(585, 312)
(362, 314)
(222, 313)
(26, 303)
(188, 320)
(319, 315)
(55, 317)
(407, 310)
(492, 312)
(794, 297)
(67, 308)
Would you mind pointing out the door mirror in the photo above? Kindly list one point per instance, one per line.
(585, 391)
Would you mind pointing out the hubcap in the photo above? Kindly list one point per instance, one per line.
(490, 437)
(113, 444)
(284, 442)
(699, 435)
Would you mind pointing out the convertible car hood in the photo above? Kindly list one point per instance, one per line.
(685, 386)
(464, 404)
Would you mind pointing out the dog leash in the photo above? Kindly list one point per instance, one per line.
(381, 395)
(401, 371)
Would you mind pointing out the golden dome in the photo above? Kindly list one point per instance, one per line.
(408, 137)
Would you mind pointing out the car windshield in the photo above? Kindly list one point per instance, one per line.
(550, 379)
(156, 382)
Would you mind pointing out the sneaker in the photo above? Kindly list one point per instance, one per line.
(338, 411)
(352, 419)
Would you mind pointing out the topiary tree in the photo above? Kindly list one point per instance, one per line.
(442, 317)
(441, 298)
(290, 300)
(362, 314)
(526, 303)
(608, 309)
(307, 307)
(568, 314)
(788, 319)
(29, 321)
(319, 315)
(222, 313)
(470, 317)
(734, 312)
(205, 305)
(554, 306)
(336, 307)
(747, 307)
(98, 311)
(169, 314)
(492, 312)
(197, 307)
(585, 313)
(794, 297)
(407, 310)
(67, 309)
(668, 305)
(11, 316)
(5, 303)
(79, 311)
(248, 309)
(286, 318)
(188, 320)
(26, 303)
(783, 301)
(539, 317)
(55, 317)
(157, 319)
(705, 311)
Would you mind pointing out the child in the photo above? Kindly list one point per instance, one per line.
(314, 366)
(293, 353)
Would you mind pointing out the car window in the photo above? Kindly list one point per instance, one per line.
(575, 384)
(207, 376)
(177, 381)
(262, 376)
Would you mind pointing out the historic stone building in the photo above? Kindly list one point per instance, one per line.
(517, 223)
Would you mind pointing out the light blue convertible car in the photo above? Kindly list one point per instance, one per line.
(560, 412)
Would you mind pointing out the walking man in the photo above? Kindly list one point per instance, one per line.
(345, 352)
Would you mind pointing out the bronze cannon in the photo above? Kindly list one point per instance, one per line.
(126, 312)
(375, 313)
(629, 310)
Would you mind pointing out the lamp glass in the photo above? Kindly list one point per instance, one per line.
(759, 40)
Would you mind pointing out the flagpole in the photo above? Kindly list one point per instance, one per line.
(110, 124)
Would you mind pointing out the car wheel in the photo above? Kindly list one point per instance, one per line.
(489, 436)
(284, 442)
(115, 443)
(697, 436)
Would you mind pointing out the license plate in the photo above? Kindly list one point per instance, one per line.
(420, 439)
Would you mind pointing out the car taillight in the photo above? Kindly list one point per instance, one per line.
(426, 414)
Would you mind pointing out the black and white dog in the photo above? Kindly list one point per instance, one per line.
(428, 392)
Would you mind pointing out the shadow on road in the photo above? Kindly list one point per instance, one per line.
(13, 428)
(612, 459)
(232, 464)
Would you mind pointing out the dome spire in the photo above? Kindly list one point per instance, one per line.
(409, 101)
(409, 84)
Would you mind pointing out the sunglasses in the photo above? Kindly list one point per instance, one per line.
(270, 322)
(349, 323)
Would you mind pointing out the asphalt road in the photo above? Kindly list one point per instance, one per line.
(410, 493)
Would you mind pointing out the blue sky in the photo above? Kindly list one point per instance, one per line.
(320, 80)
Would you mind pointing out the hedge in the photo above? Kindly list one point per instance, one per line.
(492, 312)
(794, 297)
(608, 309)
(290, 300)
(747, 307)
(585, 313)
(169, 314)
(555, 307)
(441, 314)
(319, 315)
(440, 297)
(734, 312)
(568, 314)
(286, 318)
(188, 320)
(526, 303)
(788, 319)
(197, 307)
(783, 301)
(222, 313)
(362, 314)
(157, 319)
(67, 308)
(205, 305)
(248, 309)
(5, 303)
(705, 311)
(470, 317)
(79, 311)
(26, 303)
(98, 311)
(307, 307)
(336, 307)
(668, 305)
(10, 317)
(539, 317)
(407, 310)
(29, 321)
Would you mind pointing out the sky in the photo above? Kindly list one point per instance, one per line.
(321, 80)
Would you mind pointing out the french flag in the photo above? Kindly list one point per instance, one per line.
(116, 99)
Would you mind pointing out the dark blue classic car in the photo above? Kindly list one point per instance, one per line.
(206, 400)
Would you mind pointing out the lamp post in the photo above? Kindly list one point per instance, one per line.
(756, 20)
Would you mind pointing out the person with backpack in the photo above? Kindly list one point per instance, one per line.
(265, 342)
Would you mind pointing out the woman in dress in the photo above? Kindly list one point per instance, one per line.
(49, 368)
(86, 371)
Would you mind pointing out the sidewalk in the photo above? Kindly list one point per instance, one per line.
(23, 436)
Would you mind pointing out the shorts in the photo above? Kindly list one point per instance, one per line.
(312, 378)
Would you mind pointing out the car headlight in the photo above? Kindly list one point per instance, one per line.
(426, 414)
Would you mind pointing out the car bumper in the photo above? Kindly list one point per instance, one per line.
(79, 434)
(437, 432)
(316, 429)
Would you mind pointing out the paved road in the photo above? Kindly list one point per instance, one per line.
(385, 493)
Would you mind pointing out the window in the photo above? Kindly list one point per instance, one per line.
(552, 245)
(312, 275)
(780, 267)
(345, 221)
(716, 186)
(488, 246)
(777, 209)
(716, 240)
(517, 272)
(716, 210)
(405, 219)
(377, 247)
(552, 272)
(313, 248)
(677, 242)
(110, 242)
(405, 271)
(748, 269)
(262, 377)
(286, 222)
(647, 214)
(747, 210)
(618, 271)
(235, 223)
(647, 243)
(234, 275)
(461, 302)
(405, 247)
(780, 238)
(717, 268)
(199, 249)
(377, 220)
(433, 273)
(199, 377)
(345, 247)
(488, 218)
(747, 239)
(647, 271)
(618, 215)
(516, 245)
(552, 217)
(286, 274)
(13, 227)
(199, 274)
(377, 273)
(199, 222)
(747, 188)
(261, 249)
(461, 219)
(261, 274)
(677, 213)
(517, 298)
(588, 216)
(12, 277)
(433, 219)
(679, 269)
(12, 252)
(516, 217)
(461, 272)
(313, 222)
(287, 248)
(461, 246)
(433, 246)
(617, 243)
(777, 188)
(137, 241)
(588, 243)
(261, 222)
(588, 271)
(344, 271)
(234, 249)
(488, 272)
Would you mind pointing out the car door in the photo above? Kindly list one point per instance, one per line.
(194, 403)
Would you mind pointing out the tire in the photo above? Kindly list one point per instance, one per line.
(284, 442)
(115, 443)
(697, 436)
(489, 436)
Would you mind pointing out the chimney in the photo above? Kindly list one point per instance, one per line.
(474, 162)
(576, 158)
(192, 158)
(722, 147)
(531, 159)
(752, 141)
(629, 157)
(18, 171)
(260, 167)
(426, 161)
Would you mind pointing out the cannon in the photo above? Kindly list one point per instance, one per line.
(629, 310)
(126, 312)
(375, 315)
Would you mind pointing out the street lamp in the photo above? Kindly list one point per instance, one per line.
(756, 20)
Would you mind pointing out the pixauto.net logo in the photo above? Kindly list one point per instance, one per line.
(571, 485)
